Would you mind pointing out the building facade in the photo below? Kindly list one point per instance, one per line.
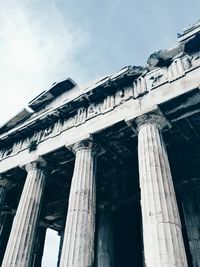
(113, 167)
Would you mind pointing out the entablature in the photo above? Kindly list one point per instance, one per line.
(65, 131)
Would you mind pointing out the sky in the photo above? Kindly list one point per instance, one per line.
(46, 41)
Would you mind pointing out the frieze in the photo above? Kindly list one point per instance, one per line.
(196, 60)
(108, 103)
(176, 70)
(139, 87)
(66, 124)
(155, 78)
(128, 93)
(17, 146)
(83, 114)
(93, 110)
(48, 131)
(187, 62)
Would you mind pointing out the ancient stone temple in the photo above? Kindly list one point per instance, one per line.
(113, 167)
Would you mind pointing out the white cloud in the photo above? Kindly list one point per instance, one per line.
(37, 47)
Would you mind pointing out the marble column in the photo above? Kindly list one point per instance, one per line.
(78, 243)
(105, 255)
(2, 222)
(6, 216)
(191, 207)
(162, 234)
(21, 241)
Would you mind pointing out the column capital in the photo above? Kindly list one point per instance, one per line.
(36, 164)
(87, 144)
(84, 144)
(152, 118)
(155, 117)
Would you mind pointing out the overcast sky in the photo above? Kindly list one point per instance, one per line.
(44, 41)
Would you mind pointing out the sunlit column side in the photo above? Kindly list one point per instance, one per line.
(105, 257)
(78, 244)
(162, 234)
(21, 241)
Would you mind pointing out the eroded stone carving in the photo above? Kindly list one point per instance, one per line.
(139, 87)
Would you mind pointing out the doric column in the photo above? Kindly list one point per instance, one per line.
(78, 244)
(6, 216)
(21, 241)
(2, 222)
(105, 257)
(162, 234)
(191, 205)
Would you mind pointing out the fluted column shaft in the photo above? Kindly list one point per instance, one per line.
(21, 241)
(162, 235)
(6, 216)
(78, 244)
(2, 222)
(191, 205)
(105, 240)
